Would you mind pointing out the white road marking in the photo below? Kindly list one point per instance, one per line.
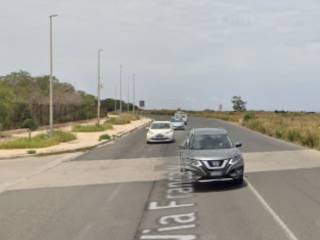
(290, 235)
(170, 237)
(176, 228)
(172, 204)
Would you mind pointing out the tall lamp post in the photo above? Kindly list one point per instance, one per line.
(115, 98)
(120, 85)
(128, 104)
(99, 86)
(50, 77)
(134, 93)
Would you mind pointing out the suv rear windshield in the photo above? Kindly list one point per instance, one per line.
(160, 126)
(210, 142)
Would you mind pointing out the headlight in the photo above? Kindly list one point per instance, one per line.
(236, 159)
(194, 162)
(168, 132)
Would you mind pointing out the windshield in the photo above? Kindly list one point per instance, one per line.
(160, 126)
(210, 142)
(176, 120)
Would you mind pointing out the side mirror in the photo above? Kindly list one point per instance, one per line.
(238, 144)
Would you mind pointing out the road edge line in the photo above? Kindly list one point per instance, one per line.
(290, 235)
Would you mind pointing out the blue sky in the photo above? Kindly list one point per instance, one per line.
(192, 54)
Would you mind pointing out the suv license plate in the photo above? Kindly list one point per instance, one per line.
(215, 174)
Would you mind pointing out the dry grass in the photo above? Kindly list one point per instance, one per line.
(39, 141)
(91, 128)
(122, 119)
(300, 128)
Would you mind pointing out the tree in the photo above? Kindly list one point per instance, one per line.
(30, 124)
(1, 129)
(238, 104)
(6, 105)
(23, 96)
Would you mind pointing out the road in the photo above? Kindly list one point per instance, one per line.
(124, 191)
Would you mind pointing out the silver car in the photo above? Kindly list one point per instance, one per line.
(178, 123)
(210, 155)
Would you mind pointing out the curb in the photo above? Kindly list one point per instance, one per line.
(82, 149)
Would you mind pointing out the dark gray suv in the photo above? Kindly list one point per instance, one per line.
(210, 155)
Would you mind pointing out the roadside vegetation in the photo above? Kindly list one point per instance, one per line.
(122, 119)
(23, 96)
(92, 128)
(104, 137)
(164, 112)
(39, 141)
(297, 127)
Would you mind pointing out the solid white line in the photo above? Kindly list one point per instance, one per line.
(290, 235)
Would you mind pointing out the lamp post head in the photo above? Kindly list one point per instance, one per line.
(53, 15)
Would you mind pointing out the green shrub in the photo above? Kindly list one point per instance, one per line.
(91, 128)
(30, 124)
(279, 133)
(104, 137)
(256, 125)
(39, 141)
(123, 119)
(293, 135)
(31, 151)
(310, 139)
(118, 121)
(248, 116)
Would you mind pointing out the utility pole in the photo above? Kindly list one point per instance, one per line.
(50, 77)
(128, 104)
(115, 98)
(99, 86)
(134, 93)
(120, 88)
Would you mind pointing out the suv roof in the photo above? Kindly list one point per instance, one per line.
(205, 131)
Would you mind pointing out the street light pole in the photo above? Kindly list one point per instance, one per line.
(115, 98)
(120, 88)
(128, 104)
(134, 93)
(50, 78)
(99, 86)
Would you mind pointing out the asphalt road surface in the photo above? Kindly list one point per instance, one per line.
(128, 190)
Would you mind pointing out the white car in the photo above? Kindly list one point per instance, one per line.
(160, 131)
